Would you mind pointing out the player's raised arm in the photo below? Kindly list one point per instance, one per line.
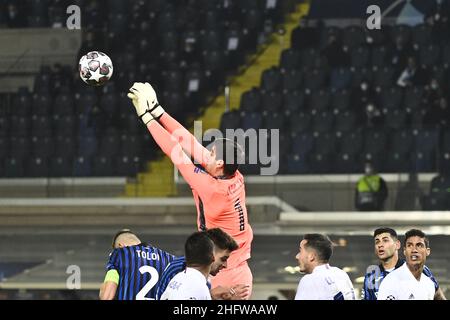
(168, 144)
(187, 141)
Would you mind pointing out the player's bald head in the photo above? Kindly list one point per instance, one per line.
(124, 238)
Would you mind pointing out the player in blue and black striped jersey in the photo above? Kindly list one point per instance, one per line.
(224, 244)
(386, 248)
(133, 269)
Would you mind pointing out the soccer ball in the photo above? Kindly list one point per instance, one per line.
(95, 68)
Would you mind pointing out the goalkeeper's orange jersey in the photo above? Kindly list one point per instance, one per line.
(220, 201)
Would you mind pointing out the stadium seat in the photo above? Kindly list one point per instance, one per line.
(302, 143)
(322, 121)
(429, 55)
(300, 122)
(292, 80)
(401, 141)
(293, 102)
(353, 36)
(340, 100)
(65, 146)
(64, 125)
(63, 104)
(345, 121)
(383, 77)
(359, 57)
(40, 126)
(438, 197)
(421, 35)
(4, 147)
(251, 120)
(395, 119)
(87, 146)
(272, 101)
(325, 143)
(320, 100)
(4, 126)
(14, 167)
(346, 163)
(273, 120)
(314, 79)
(360, 75)
(127, 166)
(390, 98)
(352, 142)
(340, 78)
(379, 56)
(41, 104)
(396, 162)
(60, 166)
(130, 145)
(290, 59)
(271, 79)
(413, 98)
(42, 147)
(321, 163)
(250, 101)
(37, 167)
(230, 120)
(20, 146)
(82, 167)
(375, 141)
(102, 166)
(297, 164)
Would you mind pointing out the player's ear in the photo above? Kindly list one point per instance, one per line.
(220, 164)
(397, 244)
(428, 251)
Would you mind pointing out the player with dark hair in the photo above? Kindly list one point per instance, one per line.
(224, 244)
(408, 282)
(218, 186)
(387, 245)
(321, 282)
(133, 269)
(192, 283)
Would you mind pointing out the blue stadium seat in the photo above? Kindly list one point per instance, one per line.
(87, 146)
(302, 143)
(340, 100)
(130, 145)
(127, 166)
(273, 120)
(375, 141)
(82, 167)
(322, 121)
(64, 125)
(63, 104)
(345, 121)
(297, 164)
(271, 79)
(65, 146)
(251, 120)
(250, 100)
(230, 120)
(271, 101)
(340, 78)
(352, 142)
(321, 163)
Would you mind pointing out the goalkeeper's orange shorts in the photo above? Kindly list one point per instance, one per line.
(234, 276)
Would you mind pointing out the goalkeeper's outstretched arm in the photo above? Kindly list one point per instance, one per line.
(187, 141)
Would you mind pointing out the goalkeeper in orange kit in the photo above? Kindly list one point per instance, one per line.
(218, 187)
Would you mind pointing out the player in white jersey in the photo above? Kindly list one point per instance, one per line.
(321, 282)
(192, 283)
(408, 282)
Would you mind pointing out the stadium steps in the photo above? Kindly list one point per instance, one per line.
(155, 181)
(265, 58)
(158, 181)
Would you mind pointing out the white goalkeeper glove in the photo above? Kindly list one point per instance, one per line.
(145, 101)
